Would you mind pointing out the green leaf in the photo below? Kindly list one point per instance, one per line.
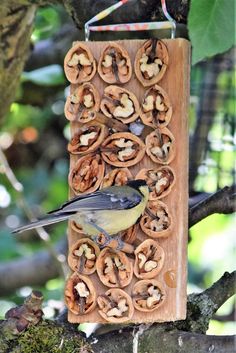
(51, 75)
(211, 27)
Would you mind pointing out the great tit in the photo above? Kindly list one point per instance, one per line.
(108, 211)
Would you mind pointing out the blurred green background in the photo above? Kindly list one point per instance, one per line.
(34, 137)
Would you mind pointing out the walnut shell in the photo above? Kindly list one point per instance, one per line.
(160, 181)
(83, 255)
(118, 176)
(114, 65)
(156, 222)
(79, 64)
(148, 295)
(87, 174)
(82, 102)
(156, 109)
(76, 227)
(121, 104)
(114, 268)
(160, 146)
(88, 138)
(115, 306)
(151, 62)
(149, 259)
(82, 300)
(123, 149)
(129, 235)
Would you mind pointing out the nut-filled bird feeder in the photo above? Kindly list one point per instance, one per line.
(128, 107)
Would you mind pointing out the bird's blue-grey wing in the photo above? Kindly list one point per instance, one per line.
(106, 199)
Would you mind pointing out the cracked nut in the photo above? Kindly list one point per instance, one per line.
(83, 103)
(87, 174)
(79, 64)
(123, 149)
(88, 139)
(161, 146)
(114, 64)
(80, 294)
(83, 255)
(156, 110)
(118, 176)
(156, 222)
(121, 104)
(115, 306)
(149, 259)
(148, 295)
(151, 62)
(160, 181)
(113, 268)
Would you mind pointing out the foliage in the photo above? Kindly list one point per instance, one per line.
(211, 27)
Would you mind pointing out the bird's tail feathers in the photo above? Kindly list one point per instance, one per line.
(41, 223)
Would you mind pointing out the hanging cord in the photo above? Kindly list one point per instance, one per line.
(141, 26)
(168, 16)
(101, 15)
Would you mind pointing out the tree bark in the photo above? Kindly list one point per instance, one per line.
(223, 201)
(22, 332)
(31, 271)
(16, 24)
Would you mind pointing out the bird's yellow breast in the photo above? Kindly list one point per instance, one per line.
(112, 221)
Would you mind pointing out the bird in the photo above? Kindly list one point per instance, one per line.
(109, 211)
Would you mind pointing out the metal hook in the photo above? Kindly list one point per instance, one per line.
(169, 18)
(86, 32)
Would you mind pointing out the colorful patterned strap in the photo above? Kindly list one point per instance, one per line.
(142, 26)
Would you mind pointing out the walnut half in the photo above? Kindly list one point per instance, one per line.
(79, 64)
(88, 138)
(161, 146)
(87, 174)
(80, 294)
(117, 176)
(156, 222)
(82, 101)
(121, 104)
(151, 62)
(160, 181)
(114, 64)
(149, 259)
(123, 149)
(113, 268)
(148, 295)
(83, 255)
(156, 109)
(115, 306)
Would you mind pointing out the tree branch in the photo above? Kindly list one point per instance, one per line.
(201, 307)
(168, 337)
(223, 201)
(31, 271)
(147, 340)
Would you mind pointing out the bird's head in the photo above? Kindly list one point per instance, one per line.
(141, 186)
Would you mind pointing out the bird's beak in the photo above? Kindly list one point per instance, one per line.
(150, 189)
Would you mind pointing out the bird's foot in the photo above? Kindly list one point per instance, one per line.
(115, 243)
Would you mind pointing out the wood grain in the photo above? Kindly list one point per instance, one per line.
(176, 83)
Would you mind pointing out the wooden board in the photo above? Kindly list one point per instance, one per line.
(176, 83)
